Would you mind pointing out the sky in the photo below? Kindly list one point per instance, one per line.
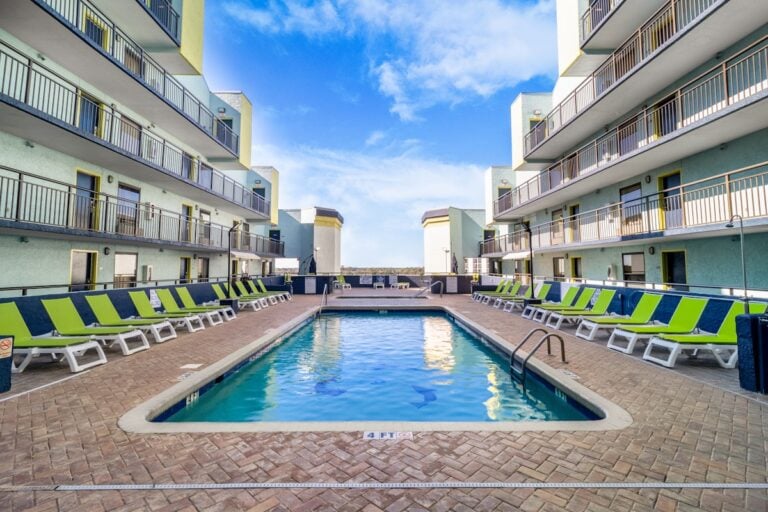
(381, 109)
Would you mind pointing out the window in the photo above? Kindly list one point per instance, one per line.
(633, 264)
(128, 210)
(86, 215)
(132, 60)
(532, 122)
(203, 265)
(502, 191)
(204, 232)
(186, 165)
(91, 116)
(185, 269)
(576, 271)
(185, 223)
(125, 270)
(95, 29)
(631, 212)
(129, 136)
(558, 268)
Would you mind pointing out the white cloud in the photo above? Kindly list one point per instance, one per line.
(375, 138)
(381, 198)
(444, 51)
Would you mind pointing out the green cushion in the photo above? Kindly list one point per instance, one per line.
(684, 319)
(52, 342)
(11, 321)
(66, 320)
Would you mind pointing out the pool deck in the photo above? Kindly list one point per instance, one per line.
(690, 425)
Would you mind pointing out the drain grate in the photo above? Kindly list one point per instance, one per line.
(390, 485)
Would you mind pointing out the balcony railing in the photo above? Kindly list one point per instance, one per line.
(737, 80)
(672, 18)
(597, 11)
(55, 97)
(165, 14)
(41, 201)
(697, 204)
(83, 17)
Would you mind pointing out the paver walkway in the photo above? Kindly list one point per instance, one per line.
(683, 431)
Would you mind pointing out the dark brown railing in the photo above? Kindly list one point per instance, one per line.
(82, 16)
(38, 200)
(672, 18)
(736, 80)
(55, 97)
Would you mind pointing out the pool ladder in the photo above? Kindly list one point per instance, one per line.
(518, 371)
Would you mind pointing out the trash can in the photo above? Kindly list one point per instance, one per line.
(233, 303)
(6, 358)
(752, 333)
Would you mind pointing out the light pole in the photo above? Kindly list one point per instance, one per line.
(743, 260)
(447, 263)
(317, 263)
(229, 258)
(527, 228)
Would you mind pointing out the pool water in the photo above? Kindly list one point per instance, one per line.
(379, 366)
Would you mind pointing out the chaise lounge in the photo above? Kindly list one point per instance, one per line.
(190, 321)
(600, 307)
(107, 316)
(642, 314)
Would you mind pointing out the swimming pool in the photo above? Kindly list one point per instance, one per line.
(378, 366)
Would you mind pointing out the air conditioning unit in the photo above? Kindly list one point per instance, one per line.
(146, 272)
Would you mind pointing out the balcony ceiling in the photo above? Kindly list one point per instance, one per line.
(57, 42)
(56, 135)
(691, 48)
(731, 123)
(620, 24)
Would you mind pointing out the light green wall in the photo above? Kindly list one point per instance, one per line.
(466, 232)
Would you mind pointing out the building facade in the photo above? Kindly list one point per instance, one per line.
(450, 237)
(118, 165)
(654, 137)
(312, 238)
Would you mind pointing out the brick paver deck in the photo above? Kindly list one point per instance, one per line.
(683, 431)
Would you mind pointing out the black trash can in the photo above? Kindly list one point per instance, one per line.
(6, 358)
(233, 303)
(752, 332)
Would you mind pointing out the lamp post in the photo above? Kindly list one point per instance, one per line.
(527, 228)
(317, 262)
(447, 263)
(743, 260)
(235, 226)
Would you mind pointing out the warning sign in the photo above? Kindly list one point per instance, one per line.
(6, 347)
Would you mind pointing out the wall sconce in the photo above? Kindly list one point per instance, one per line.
(28, 144)
(194, 256)
(648, 179)
(106, 251)
(723, 147)
(110, 178)
(23, 240)
(651, 250)
(504, 181)
(566, 256)
(537, 112)
(197, 207)
(40, 56)
(257, 181)
(221, 110)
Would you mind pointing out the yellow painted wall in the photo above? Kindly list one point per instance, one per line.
(192, 15)
(328, 222)
(273, 199)
(246, 121)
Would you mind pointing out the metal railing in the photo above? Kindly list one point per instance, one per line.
(700, 203)
(83, 17)
(34, 199)
(120, 281)
(736, 80)
(163, 12)
(597, 11)
(672, 18)
(429, 289)
(55, 97)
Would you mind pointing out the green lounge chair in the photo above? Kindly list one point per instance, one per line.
(190, 321)
(600, 307)
(500, 286)
(254, 304)
(581, 303)
(107, 316)
(566, 301)
(485, 297)
(264, 300)
(510, 292)
(341, 283)
(66, 320)
(24, 344)
(722, 343)
(189, 304)
(684, 320)
(513, 292)
(171, 306)
(517, 302)
(642, 314)
(280, 293)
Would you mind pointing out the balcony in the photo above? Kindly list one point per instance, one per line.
(81, 39)
(52, 208)
(40, 106)
(605, 24)
(153, 23)
(694, 210)
(722, 104)
(678, 38)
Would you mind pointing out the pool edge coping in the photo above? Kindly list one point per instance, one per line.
(136, 420)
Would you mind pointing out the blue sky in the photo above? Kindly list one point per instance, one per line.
(382, 109)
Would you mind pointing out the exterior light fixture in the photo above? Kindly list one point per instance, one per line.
(106, 251)
(221, 110)
(110, 178)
